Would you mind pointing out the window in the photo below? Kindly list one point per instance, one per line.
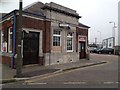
(2, 40)
(2, 37)
(10, 39)
(70, 41)
(56, 38)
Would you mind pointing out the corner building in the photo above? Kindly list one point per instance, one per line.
(52, 35)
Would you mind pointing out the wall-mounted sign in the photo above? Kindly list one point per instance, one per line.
(5, 46)
(81, 38)
(64, 25)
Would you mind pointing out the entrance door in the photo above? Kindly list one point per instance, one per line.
(30, 48)
(82, 49)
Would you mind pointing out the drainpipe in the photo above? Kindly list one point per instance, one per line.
(14, 41)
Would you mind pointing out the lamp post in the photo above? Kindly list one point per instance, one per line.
(100, 36)
(100, 39)
(113, 31)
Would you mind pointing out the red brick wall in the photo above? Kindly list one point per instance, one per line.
(33, 23)
(5, 60)
(43, 25)
(5, 26)
(80, 31)
(47, 37)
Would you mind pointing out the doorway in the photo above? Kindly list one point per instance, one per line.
(82, 50)
(30, 48)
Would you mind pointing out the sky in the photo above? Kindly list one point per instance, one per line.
(95, 13)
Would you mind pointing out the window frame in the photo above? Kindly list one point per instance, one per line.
(56, 35)
(2, 36)
(9, 39)
(70, 37)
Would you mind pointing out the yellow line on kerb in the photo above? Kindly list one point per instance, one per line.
(37, 79)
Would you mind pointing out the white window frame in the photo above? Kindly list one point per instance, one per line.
(9, 39)
(72, 42)
(2, 36)
(57, 35)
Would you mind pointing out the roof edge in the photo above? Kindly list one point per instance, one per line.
(82, 25)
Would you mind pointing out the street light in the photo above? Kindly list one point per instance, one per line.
(113, 33)
(100, 36)
(113, 30)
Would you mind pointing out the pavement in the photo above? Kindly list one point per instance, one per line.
(34, 71)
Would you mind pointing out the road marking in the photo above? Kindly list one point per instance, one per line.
(2, 84)
(116, 82)
(37, 83)
(74, 82)
(109, 82)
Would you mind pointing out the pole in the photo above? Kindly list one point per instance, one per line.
(100, 37)
(95, 40)
(113, 31)
(18, 43)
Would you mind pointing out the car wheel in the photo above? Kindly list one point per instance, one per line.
(99, 52)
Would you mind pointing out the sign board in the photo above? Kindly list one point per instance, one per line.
(5, 46)
(64, 25)
(82, 38)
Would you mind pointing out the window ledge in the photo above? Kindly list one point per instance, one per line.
(70, 51)
(6, 54)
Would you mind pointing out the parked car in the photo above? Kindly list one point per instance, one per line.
(105, 51)
(94, 50)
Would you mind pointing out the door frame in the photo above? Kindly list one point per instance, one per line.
(82, 40)
(40, 39)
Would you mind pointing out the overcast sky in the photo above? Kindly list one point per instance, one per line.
(95, 13)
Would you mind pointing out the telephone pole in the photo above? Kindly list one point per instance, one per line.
(18, 48)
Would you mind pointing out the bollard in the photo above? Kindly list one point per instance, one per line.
(88, 54)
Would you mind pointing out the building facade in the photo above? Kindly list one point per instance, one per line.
(51, 34)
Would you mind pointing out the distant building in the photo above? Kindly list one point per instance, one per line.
(108, 42)
(52, 34)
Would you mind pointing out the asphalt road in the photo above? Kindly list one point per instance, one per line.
(98, 76)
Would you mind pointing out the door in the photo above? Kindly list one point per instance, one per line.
(30, 48)
(82, 50)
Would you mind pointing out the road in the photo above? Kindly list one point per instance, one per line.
(98, 76)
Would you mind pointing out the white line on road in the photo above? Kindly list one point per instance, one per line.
(116, 82)
(2, 84)
(74, 82)
(36, 83)
(110, 82)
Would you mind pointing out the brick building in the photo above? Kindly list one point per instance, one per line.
(51, 34)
